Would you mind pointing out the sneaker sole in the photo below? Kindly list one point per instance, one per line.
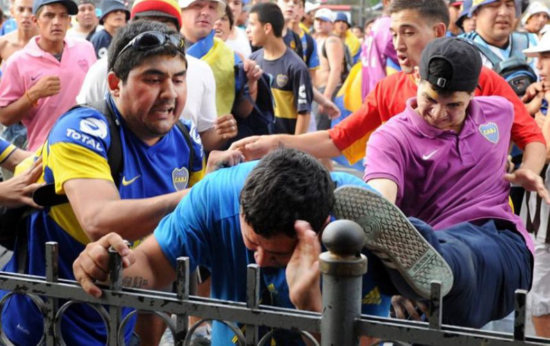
(391, 236)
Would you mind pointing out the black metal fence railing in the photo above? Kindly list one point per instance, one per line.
(339, 324)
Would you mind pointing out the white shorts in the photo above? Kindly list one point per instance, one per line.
(539, 296)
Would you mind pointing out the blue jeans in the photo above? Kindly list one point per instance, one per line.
(16, 134)
(489, 260)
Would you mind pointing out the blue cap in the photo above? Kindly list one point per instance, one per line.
(342, 17)
(108, 6)
(71, 6)
(465, 13)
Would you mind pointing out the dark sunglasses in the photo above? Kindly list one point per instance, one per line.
(154, 39)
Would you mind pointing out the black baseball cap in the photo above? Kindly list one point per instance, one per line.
(464, 61)
(72, 7)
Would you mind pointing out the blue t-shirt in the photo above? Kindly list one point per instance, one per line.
(8, 26)
(76, 148)
(291, 87)
(101, 41)
(309, 45)
(205, 227)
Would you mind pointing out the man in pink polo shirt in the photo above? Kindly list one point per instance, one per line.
(442, 162)
(41, 81)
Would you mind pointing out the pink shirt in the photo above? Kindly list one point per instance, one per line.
(443, 177)
(377, 48)
(24, 68)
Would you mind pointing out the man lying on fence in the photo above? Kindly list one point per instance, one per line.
(268, 212)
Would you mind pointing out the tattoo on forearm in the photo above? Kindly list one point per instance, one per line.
(134, 282)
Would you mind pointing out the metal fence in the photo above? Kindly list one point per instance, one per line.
(339, 324)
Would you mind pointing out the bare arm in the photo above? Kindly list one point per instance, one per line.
(145, 267)
(546, 133)
(302, 123)
(335, 57)
(528, 174)
(534, 157)
(318, 144)
(3, 44)
(386, 187)
(326, 106)
(15, 158)
(99, 209)
(15, 111)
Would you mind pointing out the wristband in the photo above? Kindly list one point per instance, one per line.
(33, 103)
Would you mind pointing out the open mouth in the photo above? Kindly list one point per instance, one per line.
(164, 110)
(403, 59)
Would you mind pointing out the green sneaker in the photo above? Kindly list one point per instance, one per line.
(391, 237)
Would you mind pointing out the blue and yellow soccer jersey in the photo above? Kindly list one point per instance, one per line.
(291, 87)
(292, 40)
(6, 149)
(77, 148)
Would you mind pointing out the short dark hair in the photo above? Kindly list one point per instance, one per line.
(432, 10)
(287, 185)
(122, 64)
(229, 15)
(270, 13)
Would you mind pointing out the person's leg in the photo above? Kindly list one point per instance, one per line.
(487, 264)
(391, 237)
(539, 296)
(322, 121)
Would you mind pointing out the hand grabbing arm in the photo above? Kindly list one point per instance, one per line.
(17, 191)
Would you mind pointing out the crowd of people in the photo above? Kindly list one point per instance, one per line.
(128, 126)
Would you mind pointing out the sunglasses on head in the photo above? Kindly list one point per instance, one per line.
(154, 39)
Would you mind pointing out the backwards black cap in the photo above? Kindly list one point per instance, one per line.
(464, 61)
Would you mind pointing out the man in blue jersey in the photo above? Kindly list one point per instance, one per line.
(291, 84)
(160, 160)
(256, 212)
